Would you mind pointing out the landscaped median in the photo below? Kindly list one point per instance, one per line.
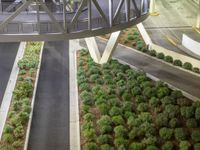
(122, 109)
(14, 134)
(131, 37)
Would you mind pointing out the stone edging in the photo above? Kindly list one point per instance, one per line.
(191, 97)
(74, 101)
(10, 87)
(162, 61)
(33, 99)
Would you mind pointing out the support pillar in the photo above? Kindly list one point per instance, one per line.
(110, 48)
(152, 9)
(198, 17)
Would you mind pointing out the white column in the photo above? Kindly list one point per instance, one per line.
(152, 6)
(198, 17)
(110, 48)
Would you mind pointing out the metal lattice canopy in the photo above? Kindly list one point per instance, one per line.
(23, 20)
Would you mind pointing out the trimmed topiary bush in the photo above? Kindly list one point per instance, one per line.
(191, 123)
(115, 111)
(166, 133)
(168, 59)
(167, 146)
(104, 139)
(120, 131)
(135, 146)
(142, 107)
(160, 56)
(180, 134)
(152, 52)
(151, 147)
(173, 122)
(106, 147)
(90, 146)
(195, 69)
(161, 120)
(120, 141)
(118, 120)
(195, 136)
(187, 66)
(184, 145)
(178, 62)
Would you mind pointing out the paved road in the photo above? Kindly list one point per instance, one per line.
(180, 79)
(176, 17)
(8, 53)
(50, 125)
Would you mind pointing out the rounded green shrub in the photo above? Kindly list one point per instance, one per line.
(161, 120)
(165, 133)
(115, 111)
(195, 136)
(152, 140)
(178, 62)
(133, 133)
(167, 146)
(135, 146)
(130, 37)
(151, 147)
(90, 146)
(89, 134)
(180, 134)
(171, 111)
(106, 147)
(173, 122)
(154, 102)
(86, 98)
(120, 131)
(160, 56)
(118, 120)
(152, 52)
(104, 139)
(195, 69)
(142, 107)
(8, 129)
(126, 96)
(89, 117)
(105, 129)
(162, 92)
(127, 106)
(187, 111)
(191, 123)
(136, 91)
(120, 141)
(104, 120)
(19, 131)
(168, 59)
(8, 138)
(187, 66)
(103, 108)
(184, 145)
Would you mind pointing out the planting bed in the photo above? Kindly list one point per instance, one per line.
(122, 109)
(13, 137)
(131, 37)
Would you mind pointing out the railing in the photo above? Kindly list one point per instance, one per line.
(50, 18)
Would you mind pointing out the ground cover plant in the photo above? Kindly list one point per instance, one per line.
(131, 37)
(18, 116)
(122, 109)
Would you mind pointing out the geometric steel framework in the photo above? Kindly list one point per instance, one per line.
(45, 21)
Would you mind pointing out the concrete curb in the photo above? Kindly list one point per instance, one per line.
(180, 68)
(74, 101)
(33, 99)
(189, 96)
(10, 87)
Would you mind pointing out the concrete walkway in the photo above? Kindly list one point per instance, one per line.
(50, 124)
(178, 78)
(8, 53)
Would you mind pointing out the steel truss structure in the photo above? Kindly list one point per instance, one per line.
(37, 20)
